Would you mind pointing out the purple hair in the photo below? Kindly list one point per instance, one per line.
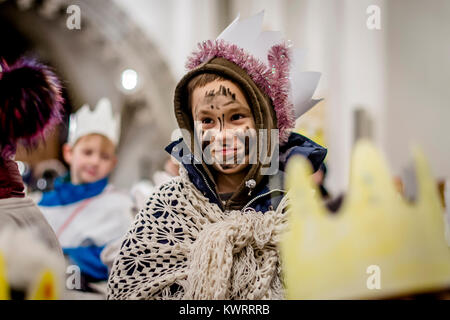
(30, 104)
(272, 79)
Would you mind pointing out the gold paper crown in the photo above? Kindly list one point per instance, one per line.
(377, 246)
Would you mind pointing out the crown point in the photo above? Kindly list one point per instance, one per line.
(101, 120)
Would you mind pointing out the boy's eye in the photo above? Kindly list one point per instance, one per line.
(237, 116)
(207, 121)
(105, 156)
(87, 152)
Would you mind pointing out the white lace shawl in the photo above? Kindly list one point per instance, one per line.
(183, 247)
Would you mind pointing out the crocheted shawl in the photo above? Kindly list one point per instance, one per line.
(183, 247)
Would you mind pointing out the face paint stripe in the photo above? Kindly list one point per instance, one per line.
(223, 91)
(220, 123)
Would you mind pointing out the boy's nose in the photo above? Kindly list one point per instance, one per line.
(95, 160)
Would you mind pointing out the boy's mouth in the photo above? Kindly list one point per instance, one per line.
(91, 172)
(226, 151)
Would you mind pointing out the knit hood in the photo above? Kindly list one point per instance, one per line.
(260, 105)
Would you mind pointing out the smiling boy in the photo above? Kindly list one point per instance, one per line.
(221, 113)
(212, 232)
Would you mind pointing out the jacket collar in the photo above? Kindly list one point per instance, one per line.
(66, 193)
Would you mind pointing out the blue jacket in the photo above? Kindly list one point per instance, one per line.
(267, 195)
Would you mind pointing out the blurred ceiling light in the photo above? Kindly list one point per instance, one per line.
(25, 4)
(129, 79)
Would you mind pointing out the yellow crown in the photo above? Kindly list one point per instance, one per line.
(27, 265)
(377, 246)
(45, 288)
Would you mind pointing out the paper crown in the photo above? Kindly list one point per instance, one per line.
(377, 246)
(101, 121)
(29, 266)
(271, 63)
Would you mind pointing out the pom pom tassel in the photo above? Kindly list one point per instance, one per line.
(31, 104)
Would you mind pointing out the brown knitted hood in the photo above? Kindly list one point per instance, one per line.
(259, 102)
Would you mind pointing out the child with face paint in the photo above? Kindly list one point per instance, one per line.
(212, 232)
(222, 120)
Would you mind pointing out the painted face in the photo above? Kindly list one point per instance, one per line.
(91, 159)
(224, 125)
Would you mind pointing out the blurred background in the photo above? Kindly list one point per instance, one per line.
(388, 84)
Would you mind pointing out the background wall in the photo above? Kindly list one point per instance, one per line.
(417, 82)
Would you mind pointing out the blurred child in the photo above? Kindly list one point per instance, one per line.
(84, 210)
(212, 232)
(30, 106)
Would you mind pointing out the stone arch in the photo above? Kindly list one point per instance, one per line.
(91, 60)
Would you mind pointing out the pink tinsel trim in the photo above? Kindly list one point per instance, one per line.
(272, 79)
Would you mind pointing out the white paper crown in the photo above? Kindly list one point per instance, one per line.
(101, 121)
(247, 34)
